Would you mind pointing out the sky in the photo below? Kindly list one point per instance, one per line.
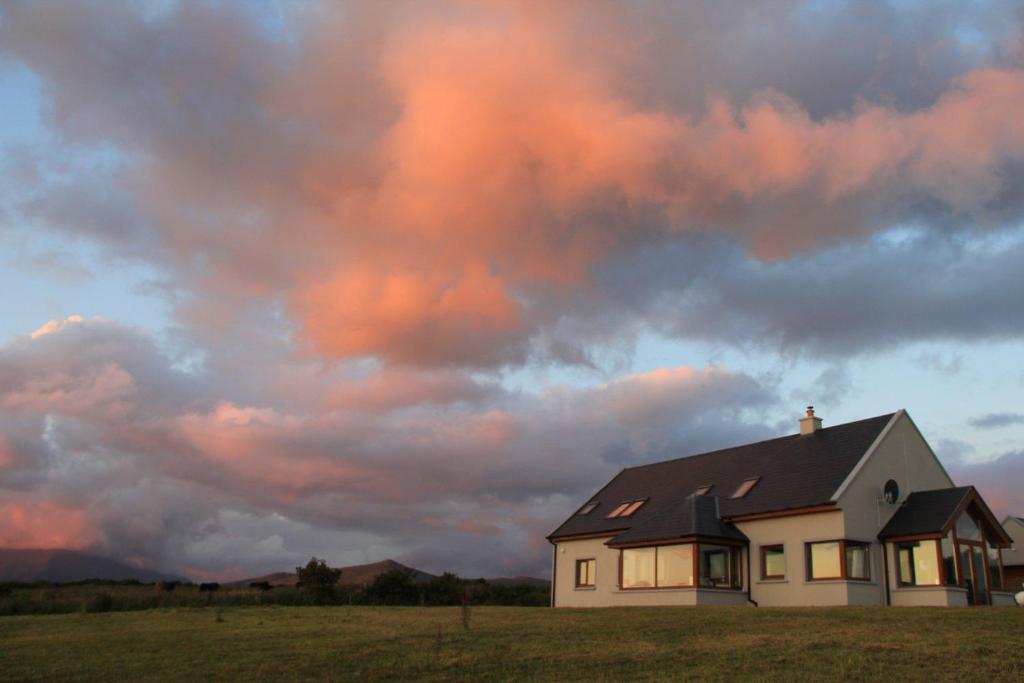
(411, 280)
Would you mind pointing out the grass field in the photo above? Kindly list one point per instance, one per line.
(511, 643)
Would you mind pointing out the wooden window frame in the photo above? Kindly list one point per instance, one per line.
(592, 574)
(843, 574)
(938, 558)
(765, 576)
(733, 548)
(745, 487)
(627, 508)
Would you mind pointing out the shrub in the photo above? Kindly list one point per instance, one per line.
(99, 602)
(318, 579)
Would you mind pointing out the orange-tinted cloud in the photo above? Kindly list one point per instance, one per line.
(44, 524)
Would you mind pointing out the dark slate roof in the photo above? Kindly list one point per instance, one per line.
(931, 512)
(795, 471)
(926, 512)
(692, 516)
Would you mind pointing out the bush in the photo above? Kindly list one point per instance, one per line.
(318, 579)
(100, 602)
(393, 587)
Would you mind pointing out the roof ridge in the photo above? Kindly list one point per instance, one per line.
(753, 443)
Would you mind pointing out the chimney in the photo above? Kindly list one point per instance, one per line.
(810, 424)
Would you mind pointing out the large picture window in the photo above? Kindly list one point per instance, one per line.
(840, 559)
(638, 568)
(683, 565)
(675, 565)
(585, 570)
(918, 563)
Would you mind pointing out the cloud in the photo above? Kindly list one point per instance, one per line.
(435, 185)
(996, 420)
(997, 479)
(153, 463)
(364, 216)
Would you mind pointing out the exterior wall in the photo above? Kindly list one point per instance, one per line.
(1014, 556)
(930, 596)
(796, 590)
(1003, 599)
(606, 592)
(1013, 576)
(902, 455)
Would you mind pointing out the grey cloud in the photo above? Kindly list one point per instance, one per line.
(996, 420)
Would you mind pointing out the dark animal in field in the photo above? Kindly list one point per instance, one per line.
(260, 585)
(166, 586)
(208, 587)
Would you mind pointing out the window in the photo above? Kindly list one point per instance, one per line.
(949, 562)
(587, 509)
(995, 572)
(626, 509)
(638, 568)
(675, 565)
(773, 562)
(857, 556)
(703, 490)
(678, 566)
(585, 573)
(719, 566)
(967, 529)
(918, 563)
(745, 487)
(617, 511)
(838, 560)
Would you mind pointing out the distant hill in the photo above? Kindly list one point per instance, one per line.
(364, 574)
(62, 566)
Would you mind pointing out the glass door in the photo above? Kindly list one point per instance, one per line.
(972, 565)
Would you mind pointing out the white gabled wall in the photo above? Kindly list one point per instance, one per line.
(902, 455)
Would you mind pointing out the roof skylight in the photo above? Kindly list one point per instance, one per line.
(626, 509)
(745, 487)
(588, 508)
(703, 490)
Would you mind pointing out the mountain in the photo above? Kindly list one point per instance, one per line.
(61, 566)
(364, 574)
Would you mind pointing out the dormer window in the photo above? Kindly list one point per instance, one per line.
(703, 490)
(626, 509)
(745, 487)
(588, 508)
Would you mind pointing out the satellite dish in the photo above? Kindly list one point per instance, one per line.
(891, 492)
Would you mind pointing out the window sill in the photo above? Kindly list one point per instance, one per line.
(683, 589)
(855, 582)
(772, 581)
(585, 588)
(930, 588)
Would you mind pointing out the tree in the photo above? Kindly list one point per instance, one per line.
(317, 578)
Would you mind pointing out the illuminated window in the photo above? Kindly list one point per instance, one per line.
(773, 562)
(919, 563)
(618, 511)
(588, 508)
(745, 487)
(626, 509)
(638, 568)
(703, 490)
(585, 573)
(839, 560)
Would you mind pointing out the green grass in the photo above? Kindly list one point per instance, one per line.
(510, 643)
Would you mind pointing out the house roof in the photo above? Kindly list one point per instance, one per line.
(926, 512)
(690, 517)
(796, 471)
(936, 511)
